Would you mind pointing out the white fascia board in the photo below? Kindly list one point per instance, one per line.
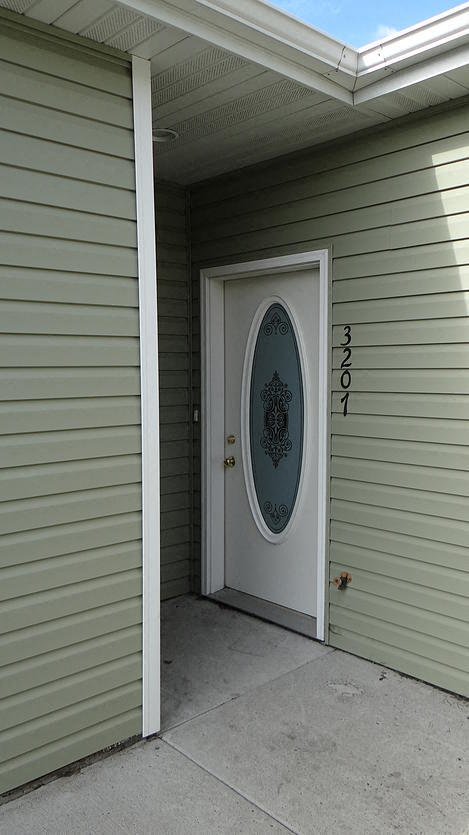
(262, 46)
(442, 31)
(419, 73)
(263, 17)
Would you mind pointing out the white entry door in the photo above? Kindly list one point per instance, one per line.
(271, 327)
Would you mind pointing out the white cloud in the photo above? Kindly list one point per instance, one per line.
(384, 31)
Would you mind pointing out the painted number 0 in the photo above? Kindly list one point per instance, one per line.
(345, 365)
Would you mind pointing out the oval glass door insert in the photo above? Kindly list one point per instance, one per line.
(276, 418)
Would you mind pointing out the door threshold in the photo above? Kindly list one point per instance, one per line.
(264, 609)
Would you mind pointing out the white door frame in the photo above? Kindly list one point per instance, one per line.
(213, 411)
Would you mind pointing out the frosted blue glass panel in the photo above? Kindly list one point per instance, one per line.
(276, 418)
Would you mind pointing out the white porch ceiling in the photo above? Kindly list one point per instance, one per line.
(303, 88)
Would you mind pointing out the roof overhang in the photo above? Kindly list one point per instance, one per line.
(260, 32)
(242, 81)
(264, 34)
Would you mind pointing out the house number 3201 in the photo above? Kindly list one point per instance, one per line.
(345, 367)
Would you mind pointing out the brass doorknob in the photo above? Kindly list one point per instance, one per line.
(230, 461)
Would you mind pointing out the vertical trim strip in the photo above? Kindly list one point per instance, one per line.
(322, 569)
(141, 84)
(213, 434)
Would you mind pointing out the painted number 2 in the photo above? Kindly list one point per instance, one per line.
(345, 366)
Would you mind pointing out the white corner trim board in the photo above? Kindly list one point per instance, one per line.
(141, 84)
(213, 411)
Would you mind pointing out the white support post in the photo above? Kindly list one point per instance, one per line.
(141, 82)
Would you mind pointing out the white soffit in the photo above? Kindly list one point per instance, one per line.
(241, 81)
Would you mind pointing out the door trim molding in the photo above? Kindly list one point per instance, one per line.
(213, 431)
(141, 83)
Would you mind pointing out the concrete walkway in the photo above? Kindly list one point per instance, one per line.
(268, 732)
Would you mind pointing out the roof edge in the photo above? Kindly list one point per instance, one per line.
(270, 37)
(444, 29)
(275, 22)
(288, 50)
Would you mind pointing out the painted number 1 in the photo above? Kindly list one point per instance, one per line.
(345, 366)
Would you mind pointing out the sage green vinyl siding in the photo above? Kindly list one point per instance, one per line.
(392, 207)
(174, 366)
(70, 505)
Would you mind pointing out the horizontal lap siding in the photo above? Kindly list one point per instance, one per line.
(70, 492)
(392, 207)
(174, 363)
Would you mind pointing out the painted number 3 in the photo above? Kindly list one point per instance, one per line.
(345, 366)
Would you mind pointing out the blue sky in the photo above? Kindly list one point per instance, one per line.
(358, 22)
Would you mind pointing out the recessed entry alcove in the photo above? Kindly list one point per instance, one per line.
(234, 330)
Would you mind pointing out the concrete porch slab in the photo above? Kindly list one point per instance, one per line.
(211, 654)
(342, 746)
(148, 789)
(288, 737)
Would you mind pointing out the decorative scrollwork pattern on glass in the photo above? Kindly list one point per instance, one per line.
(275, 440)
(277, 514)
(276, 418)
(276, 325)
